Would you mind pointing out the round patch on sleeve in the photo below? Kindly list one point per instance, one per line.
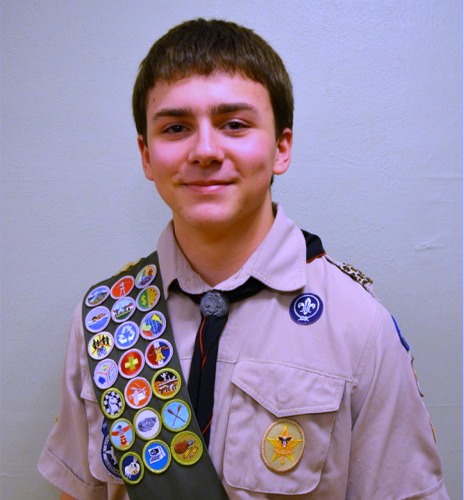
(306, 309)
(282, 445)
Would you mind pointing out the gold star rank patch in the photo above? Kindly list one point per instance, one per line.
(282, 445)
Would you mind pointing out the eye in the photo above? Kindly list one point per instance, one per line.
(174, 129)
(235, 125)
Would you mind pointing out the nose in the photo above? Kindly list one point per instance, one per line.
(206, 149)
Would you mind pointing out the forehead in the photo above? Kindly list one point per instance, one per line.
(199, 91)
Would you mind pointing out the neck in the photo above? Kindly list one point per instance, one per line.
(218, 254)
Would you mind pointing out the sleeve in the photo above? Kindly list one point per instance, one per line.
(64, 461)
(393, 452)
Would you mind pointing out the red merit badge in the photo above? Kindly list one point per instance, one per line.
(131, 363)
(166, 383)
(186, 448)
(282, 445)
(137, 393)
(122, 287)
(158, 353)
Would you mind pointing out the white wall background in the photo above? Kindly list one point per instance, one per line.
(376, 173)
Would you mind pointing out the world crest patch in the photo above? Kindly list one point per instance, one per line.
(306, 309)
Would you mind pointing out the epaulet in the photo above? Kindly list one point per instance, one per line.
(354, 274)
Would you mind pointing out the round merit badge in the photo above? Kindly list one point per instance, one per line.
(147, 423)
(306, 309)
(176, 415)
(112, 403)
(126, 335)
(131, 468)
(187, 448)
(105, 373)
(153, 325)
(100, 345)
(122, 434)
(131, 363)
(97, 319)
(282, 445)
(122, 287)
(148, 298)
(137, 392)
(166, 383)
(158, 353)
(123, 309)
(145, 276)
(97, 296)
(156, 456)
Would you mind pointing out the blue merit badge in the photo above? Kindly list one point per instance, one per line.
(306, 309)
(107, 453)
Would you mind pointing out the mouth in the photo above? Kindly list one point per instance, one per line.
(209, 186)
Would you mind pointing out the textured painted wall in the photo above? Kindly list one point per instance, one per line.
(376, 173)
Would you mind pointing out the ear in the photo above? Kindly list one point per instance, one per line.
(283, 152)
(145, 156)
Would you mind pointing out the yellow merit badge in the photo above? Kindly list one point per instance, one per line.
(282, 445)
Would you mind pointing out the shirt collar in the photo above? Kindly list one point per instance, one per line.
(279, 261)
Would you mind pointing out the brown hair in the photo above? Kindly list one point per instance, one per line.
(200, 47)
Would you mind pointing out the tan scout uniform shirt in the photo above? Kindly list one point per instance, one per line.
(346, 379)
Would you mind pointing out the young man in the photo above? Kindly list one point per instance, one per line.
(238, 360)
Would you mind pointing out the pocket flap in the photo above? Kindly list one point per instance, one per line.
(286, 390)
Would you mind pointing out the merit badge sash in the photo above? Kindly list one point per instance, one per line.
(138, 382)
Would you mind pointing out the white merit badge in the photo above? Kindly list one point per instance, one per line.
(147, 423)
(123, 309)
(97, 319)
(97, 296)
(145, 276)
(126, 335)
(153, 325)
(105, 373)
(306, 309)
(282, 445)
(158, 353)
(148, 298)
(122, 287)
(137, 393)
(100, 345)
(156, 456)
(131, 467)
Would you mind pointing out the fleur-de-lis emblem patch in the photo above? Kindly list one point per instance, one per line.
(306, 309)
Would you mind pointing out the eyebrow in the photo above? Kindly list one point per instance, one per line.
(219, 109)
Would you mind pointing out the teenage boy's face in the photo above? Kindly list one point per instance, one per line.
(212, 150)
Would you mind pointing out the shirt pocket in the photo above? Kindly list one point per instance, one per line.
(263, 394)
(99, 448)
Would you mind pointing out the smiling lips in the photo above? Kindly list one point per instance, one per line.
(206, 186)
